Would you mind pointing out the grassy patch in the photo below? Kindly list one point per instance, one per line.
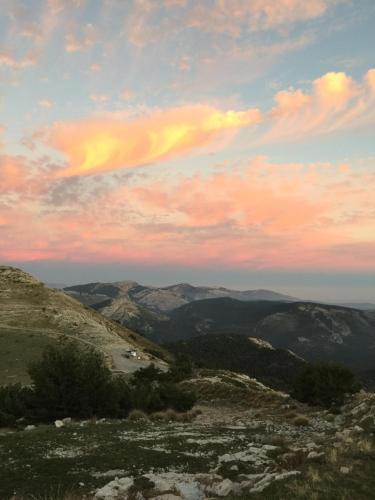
(34, 462)
(18, 349)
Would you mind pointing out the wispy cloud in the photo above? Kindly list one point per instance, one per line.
(335, 102)
(97, 145)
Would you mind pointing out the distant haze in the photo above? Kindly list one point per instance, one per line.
(333, 287)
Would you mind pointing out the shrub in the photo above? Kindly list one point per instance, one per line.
(146, 397)
(148, 374)
(15, 402)
(177, 398)
(73, 381)
(180, 370)
(172, 415)
(301, 421)
(159, 416)
(137, 415)
(324, 384)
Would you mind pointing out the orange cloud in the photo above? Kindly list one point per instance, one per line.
(99, 145)
(334, 90)
(335, 102)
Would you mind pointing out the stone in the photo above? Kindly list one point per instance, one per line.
(223, 488)
(59, 424)
(167, 496)
(357, 429)
(344, 470)
(361, 408)
(30, 427)
(315, 455)
(114, 488)
(66, 420)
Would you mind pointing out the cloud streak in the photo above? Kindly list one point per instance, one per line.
(104, 144)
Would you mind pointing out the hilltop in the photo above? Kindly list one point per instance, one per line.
(33, 316)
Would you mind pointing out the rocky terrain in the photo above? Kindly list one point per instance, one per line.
(247, 441)
(312, 331)
(33, 316)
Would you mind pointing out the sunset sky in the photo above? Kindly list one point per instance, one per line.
(226, 142)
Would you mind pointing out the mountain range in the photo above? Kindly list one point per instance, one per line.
(143, 308)
(180, 312)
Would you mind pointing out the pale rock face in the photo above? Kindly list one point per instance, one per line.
(261, 343)
(314, 455)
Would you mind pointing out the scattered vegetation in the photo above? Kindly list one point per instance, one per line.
(277, 368)
(324, 384)
(301, 421)
(73, 381)
(137, 415)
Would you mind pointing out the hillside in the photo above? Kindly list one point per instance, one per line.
(313, 331)
(33, 316)
(251, 356)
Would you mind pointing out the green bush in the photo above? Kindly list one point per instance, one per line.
(324, 384)
(16, 402)
(181, 369)
(148, 374)
(72, 381)
(75, 381)
(177, 398)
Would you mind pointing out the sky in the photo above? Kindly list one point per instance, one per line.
(218, 142)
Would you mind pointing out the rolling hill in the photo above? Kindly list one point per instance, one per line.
(33, 316)
(254, 357)
(313, 331)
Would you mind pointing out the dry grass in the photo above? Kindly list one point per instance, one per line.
(314, 475)
(301, 421)
(56, 496)
(137, 415)
(333, 456)
(364, 445)
(159, 416)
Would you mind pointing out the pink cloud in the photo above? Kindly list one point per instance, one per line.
(268, 215)
(12, 174)
(9, 60)
(231, 17)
